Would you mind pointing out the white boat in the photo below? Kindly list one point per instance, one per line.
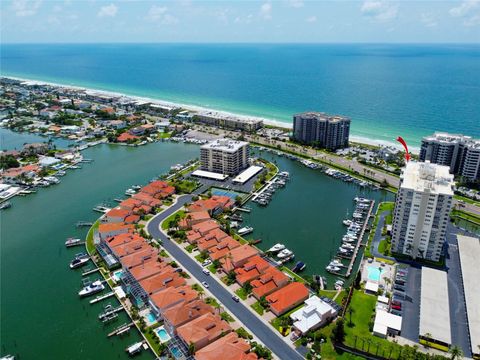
(136, 187)
(284, 253)
(348, 246)
(130, 192)
(234, 224)
(245, 230)
(347, 222)
(336, 262)
(78, 262)
(332, 268)
(135, 348)
(339, 282)
(72, 242)
(341, 250)
(276, 248)
(347, 238)
(52, 179)
(7, 357)
(91, 289)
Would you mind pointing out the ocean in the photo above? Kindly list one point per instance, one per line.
(387, 90)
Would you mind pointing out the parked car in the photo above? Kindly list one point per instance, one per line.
(399, 282)
(396, 307)
(399, 294)
(204, 283)
(206, 262)
(396, 312)
(399, 287)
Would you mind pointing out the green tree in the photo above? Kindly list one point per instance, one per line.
(338, 332)
(8, 161)
(456, 352)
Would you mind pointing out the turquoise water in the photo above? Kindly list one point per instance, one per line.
(374, 273)
(387, 90)
(10, 140)
(162, 334)
(151, 317)
(176, 352)
(118, 274)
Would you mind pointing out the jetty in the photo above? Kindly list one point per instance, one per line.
(102, 297)
(122, 329)
(360, 238)
(110, 312)
(244, 209)
(84, 223)
(89, 271)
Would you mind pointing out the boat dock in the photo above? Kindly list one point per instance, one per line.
(359, 240)
(122, 329)
(90, 271)
(247, 210)
(109, 311)
(102, 297)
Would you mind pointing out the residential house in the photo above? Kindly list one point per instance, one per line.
(213, 238)
(214, 205)
(169, 297)
(203, 331)
(251, 270)
(271, 280)
(223, 248)
(192, 219)
(229, 347)
(139, 257)
(126, 137)
(183, 313)
(314, 314)
(117, 214)
(201, 229)
(237, 257)
(111, 229)
(287, 298)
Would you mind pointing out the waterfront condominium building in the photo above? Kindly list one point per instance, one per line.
(460, 153)
(319, 129)
(422, 209)
(224, 156)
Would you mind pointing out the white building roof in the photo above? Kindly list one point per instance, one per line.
(227, 145)
(469, 250)
(434, 305)
(48, 160)
(384, 319)
(424, 176)
(371, 286)
(247, 174)
(313, 313)
(209, 175)
(383, 299)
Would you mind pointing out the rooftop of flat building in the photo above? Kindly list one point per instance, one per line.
(447, 138)
(322, 116)
(225, 144)
(424, 176)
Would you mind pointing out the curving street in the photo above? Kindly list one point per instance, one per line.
(262, 331)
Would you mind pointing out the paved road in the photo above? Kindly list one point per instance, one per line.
(262, 331)
(377, 237)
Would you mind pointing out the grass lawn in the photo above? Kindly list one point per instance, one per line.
(201, 257)
(258, 308)
(166, 223)
(363, 306)
(293, 275)
(89, 240)
(331, 294)
(241, 294)
(466, 216)
(190, 248)
(213, 302)
(382, 246)
(212, 268)
(227, 317)
(184, 186)
(154, 341)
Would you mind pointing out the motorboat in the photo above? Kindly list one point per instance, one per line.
(93, 288)
(234, 224)
(344, 251)
(348, 246)
(130, 192)
(299, 266)
(136, 187)
(5, 205)
(347, 222)
(339, 282)
(284, 253)
(332, 268)
(78, 262)
(72, 242)
(276, 248)
(336, 262)
(245, 230)
(134, 348)
(7, 357)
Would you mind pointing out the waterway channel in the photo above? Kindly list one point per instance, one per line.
(42, 316)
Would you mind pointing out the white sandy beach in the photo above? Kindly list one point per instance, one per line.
(195, 108)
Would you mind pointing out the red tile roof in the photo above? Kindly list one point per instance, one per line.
(118, 213)
(287, 298)
(126, 137)
(168, 297)
(229, 347)
(271, 280)
(183, 313)
(123, 239)
(139, 257)
(211, 204)
(203, 330)
(252, 269)
(223, 248)
(167, 278)
(129, 248)
(145, 270)
(238, 257)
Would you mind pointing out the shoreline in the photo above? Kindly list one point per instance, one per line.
(197, 108)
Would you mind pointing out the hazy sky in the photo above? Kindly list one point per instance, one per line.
(239, 21)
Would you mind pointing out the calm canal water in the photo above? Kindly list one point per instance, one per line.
(41, 314)
(307, 214)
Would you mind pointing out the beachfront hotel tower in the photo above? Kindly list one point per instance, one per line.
(422, 209)
(321, 130)
(460, 153)
(225, 156)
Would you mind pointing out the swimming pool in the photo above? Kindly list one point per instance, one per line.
(151, 318)
(176, 352)
(162, 334)
(374, 273)
(117, 275)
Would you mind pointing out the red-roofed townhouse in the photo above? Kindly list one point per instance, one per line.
(203, 331)
(229, 347)
(271, 280)
(183, 313)
(287, 298)
(237, 257)
(251, 270)
(116, 215)
(223, 248)
(111, 229)
(166, 298)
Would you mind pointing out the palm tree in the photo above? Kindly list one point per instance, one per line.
(351, 311)
(456, 352)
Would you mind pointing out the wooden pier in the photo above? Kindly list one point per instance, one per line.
(84, 223)
(102, 297)
(90, 271)
(359, 241)
(121, 329)
(242, 209)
